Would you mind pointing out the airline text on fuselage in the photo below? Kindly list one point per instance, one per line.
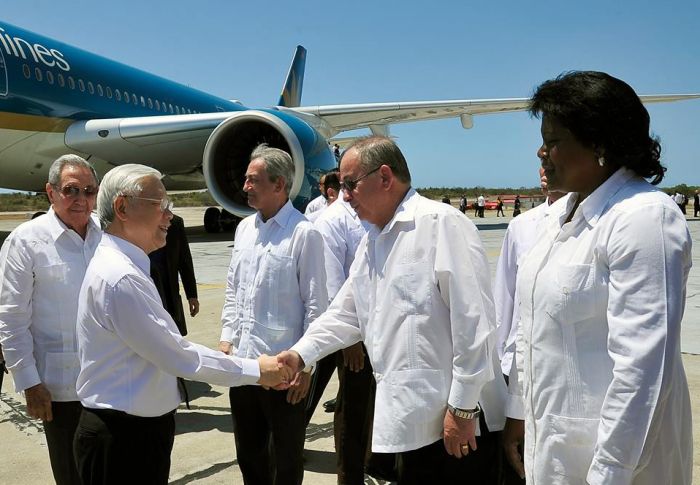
(16, 46)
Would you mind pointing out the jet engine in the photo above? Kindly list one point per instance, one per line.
(227, 154)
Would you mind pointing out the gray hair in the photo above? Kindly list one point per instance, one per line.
(122, 180)
(71, 160)
(375, 151)
(278, 163)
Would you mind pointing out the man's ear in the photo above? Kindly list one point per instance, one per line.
(120, 208)
(387, 176)
(280, 183)
(50, 192)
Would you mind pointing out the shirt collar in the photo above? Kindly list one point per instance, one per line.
(57, 226)
(595, 204)
(132, 251)
(281, 218)
(405, 212)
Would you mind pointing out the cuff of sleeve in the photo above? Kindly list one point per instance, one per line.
(308, 352)
(464, 396)
(515, 407)
(250, 371)
(600, 474)
(226, 335)
(25, 377)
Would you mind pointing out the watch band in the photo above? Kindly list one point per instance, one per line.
(465, 413)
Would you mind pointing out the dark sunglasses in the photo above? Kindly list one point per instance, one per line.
(72, 192)
(350, 185)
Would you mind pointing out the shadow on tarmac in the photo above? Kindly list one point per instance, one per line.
(207, 472)
(318, 461)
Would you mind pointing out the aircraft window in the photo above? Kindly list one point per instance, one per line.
(25, 70)
(71, 82)
(127, 99)
(143, 101)
(150, 103)
(49, 77)
(91, 88)
(157, 105)
(100, 92)
(38, 74)
(81, 85)
(134, 98)
(109, 92)
(171, 108)
(117, 95)
(61, 80)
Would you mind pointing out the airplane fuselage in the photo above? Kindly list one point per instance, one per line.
(46, 85)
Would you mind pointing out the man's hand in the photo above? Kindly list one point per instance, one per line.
(39, 402)
(354, 357)
(272, 373)
(292, 360)
(225, 347)
(513, 441)
(299, 388)
(459, 435)
(194, 306)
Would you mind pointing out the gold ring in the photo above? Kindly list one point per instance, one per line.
(465, 448)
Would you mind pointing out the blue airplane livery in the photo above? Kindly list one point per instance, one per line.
(57, 99)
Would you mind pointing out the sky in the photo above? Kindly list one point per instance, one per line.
(380, 51)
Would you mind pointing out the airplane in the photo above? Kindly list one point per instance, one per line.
(55, 99)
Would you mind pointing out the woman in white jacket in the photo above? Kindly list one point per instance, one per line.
(598, 378)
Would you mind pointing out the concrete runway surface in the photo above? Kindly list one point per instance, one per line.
(204, 451)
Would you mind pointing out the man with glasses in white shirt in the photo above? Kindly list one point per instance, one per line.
(276, 287)
(418, 295)
(42, 264)
(130, 349)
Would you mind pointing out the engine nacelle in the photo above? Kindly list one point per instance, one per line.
(228, 149)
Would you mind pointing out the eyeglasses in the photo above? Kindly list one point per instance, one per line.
(72, 192)
(165, 203)
(350, 185)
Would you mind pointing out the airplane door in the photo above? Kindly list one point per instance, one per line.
(3, 75)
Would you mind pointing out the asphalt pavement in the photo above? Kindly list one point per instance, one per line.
(204, 451)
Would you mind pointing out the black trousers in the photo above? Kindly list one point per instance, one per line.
(269, 434)
(115, 448)
(59, 438)
(354, 413)
(431, 464)
(319, 380)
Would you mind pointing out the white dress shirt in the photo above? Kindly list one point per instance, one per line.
(130, 348)
(598, 355)
(42, 264)
(342, 231)
(276, 283)
(521, 235)
(419, 297)
(317, 204)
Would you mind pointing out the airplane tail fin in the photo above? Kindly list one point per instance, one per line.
(291, 92)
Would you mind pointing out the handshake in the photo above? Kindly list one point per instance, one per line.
(281, 371)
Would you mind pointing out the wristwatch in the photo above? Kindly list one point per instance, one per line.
(465, 413)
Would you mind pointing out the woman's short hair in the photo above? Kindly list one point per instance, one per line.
(122, 180)
(605, 114)
(278, 163)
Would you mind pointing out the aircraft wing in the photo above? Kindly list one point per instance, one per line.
(353, 116)
(174, 144)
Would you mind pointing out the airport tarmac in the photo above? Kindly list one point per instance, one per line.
(204, 447)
